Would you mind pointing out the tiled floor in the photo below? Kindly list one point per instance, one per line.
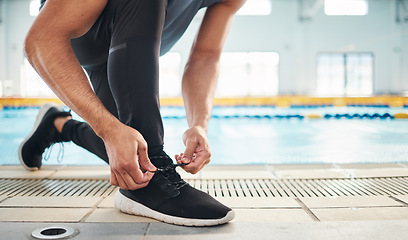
(37, 214)
(44, 202)
(403, 198)
(356, 214)
(265, 216)
(351, 202)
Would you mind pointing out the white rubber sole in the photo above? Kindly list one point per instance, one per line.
(40, 116)
(129, 206)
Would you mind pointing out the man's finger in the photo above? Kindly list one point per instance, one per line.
(202, 158)
(130, 182)
(188, 153)
(144, 160)
(198, 161)
(139, 177)
(122, 184)
(147, 176)
(193, 167)
(113, 180)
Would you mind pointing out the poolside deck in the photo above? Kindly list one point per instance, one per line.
(350, 201)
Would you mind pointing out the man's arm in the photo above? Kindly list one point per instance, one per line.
(48, 49)
(199, 81)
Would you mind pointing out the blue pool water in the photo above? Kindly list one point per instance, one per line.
(252, 140)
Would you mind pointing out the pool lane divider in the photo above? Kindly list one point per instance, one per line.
(308, 116)
(400, 115)
(297, 102)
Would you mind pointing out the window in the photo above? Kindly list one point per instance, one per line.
(170, 77)
(248, 74)
(330, 74)
(345, 74)
(359, 69)
(345, 7)
(34, 7)
(256, 7)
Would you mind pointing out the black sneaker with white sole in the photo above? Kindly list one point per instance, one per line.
(42, 136)
(170, 199)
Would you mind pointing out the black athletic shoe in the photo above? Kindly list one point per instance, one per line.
(170, 199)
(43, 135)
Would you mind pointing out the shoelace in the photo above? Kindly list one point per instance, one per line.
(60, 156)
(169, 167)
(170, 173)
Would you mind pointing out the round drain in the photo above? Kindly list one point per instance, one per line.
(53, 233)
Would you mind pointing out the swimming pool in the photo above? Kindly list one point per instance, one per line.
(254, 135)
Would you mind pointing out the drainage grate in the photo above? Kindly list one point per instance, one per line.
(60, 188)
(385, 186)
(252, 188)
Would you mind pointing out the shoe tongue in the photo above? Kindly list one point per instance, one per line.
(161, 161)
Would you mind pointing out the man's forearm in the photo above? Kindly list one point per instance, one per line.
(201, 72)
(48, 48)
(199, 83)
(54, 59)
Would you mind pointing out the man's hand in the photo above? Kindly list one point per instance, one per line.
(197, 153)
(128, 159)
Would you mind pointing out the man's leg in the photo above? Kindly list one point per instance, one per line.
(133, 78)
(133, 72)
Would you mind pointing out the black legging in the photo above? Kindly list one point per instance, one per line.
(120, 54)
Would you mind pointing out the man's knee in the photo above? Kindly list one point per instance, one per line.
(144, 18)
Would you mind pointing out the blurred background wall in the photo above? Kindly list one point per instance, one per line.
(276, 47)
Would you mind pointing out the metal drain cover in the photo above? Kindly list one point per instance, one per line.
(55, 232)
(241, 188)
